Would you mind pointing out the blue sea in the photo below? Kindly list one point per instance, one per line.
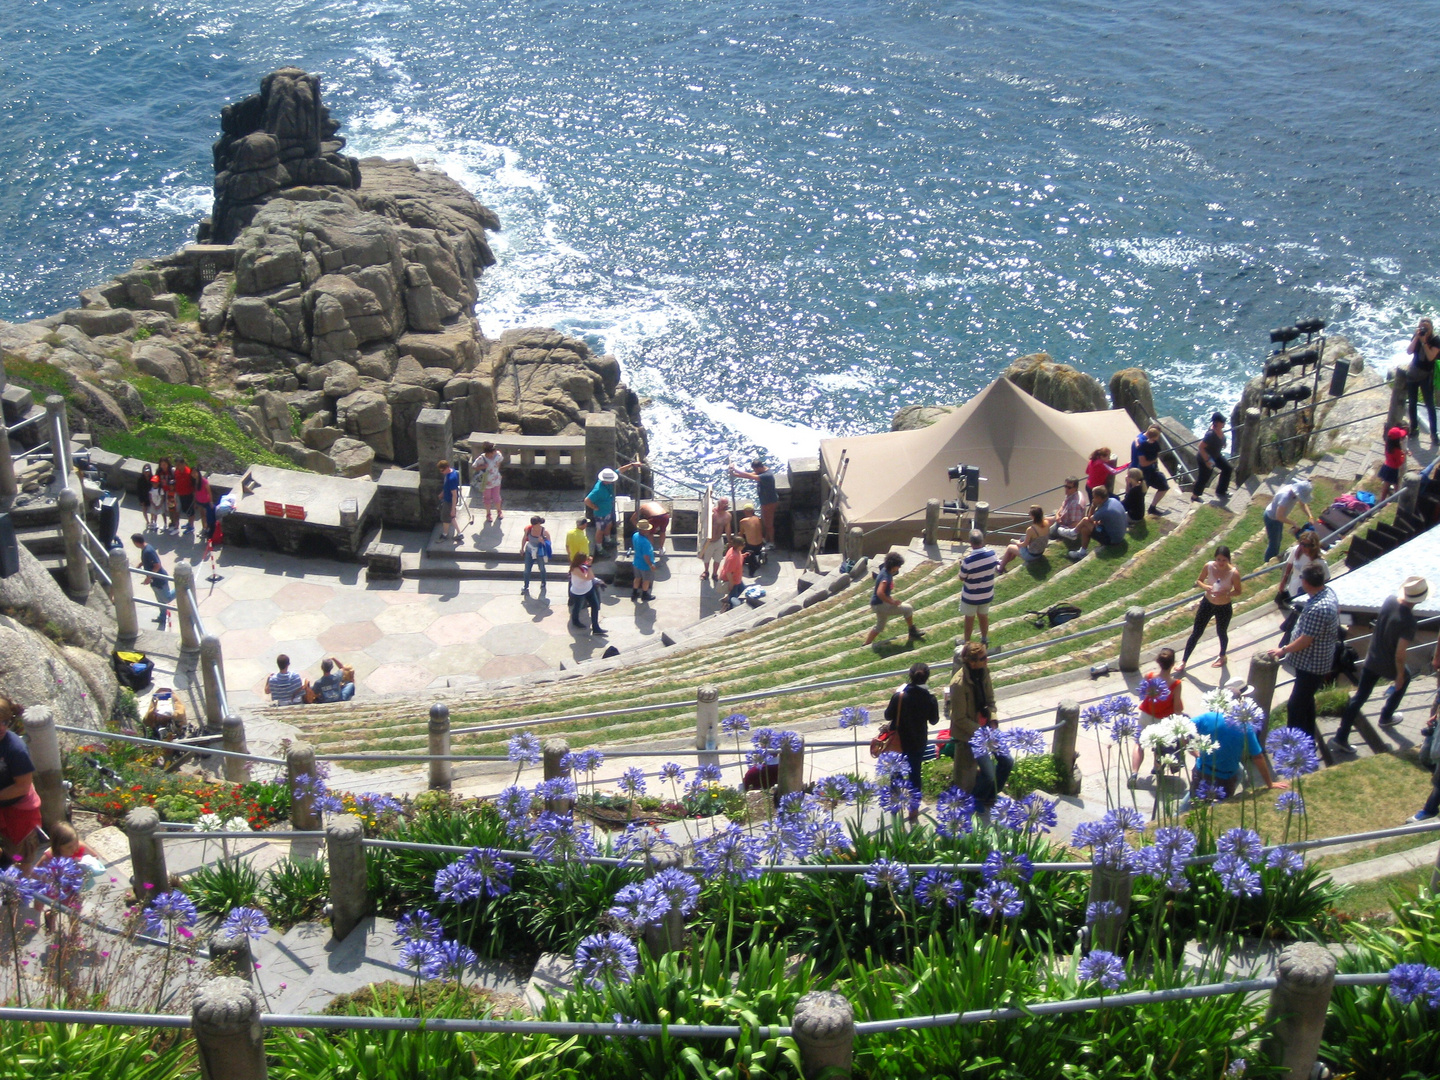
(792, 218)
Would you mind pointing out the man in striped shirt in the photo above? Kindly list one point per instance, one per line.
(285, 686)
(978, 570)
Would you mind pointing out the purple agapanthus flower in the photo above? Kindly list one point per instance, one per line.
(450, 959)
(422, 956)
(1290, 802)
(1103, 967)
(632, 782)
(1415, 982)
(16, 887)
(457, 883)
(939, 889)
(1207, 792)
(418, 925)
(1287, 860)
(891, 765)
(853, 716)
(1102, 909)
(954, 813)
(1237, 876)
(998, 898)
(1007, 866)
(707, 774)
(559, 838)
(835, 791)
(735, 724)
(639, 839)
(637, 906)
(988, 741)
(885, 874)
(672, 770)
(1165, 859)
(1243, 843)
(1025, 741)
(602, 956)
(898, 797)
(514, 806)
(1093, 716)
(1292, 753)
(792, 741)
(1247, 714)
(827, 838)
(249, 921)
(170, 912)
(61, 879)
(1153, 688)
(1034, 813)
(679, 888)
(524, 749)
(728, 854)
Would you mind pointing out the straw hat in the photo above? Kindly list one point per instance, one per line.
(1414, 590)
(608, 476)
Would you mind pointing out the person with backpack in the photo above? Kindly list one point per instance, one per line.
(911, 712)
(155, 575)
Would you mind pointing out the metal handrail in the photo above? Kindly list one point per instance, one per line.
(138, 741)
(893, 521)
(33, 450)
(1332, 427)
(23, 424)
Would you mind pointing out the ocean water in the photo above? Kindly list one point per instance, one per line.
(790, 218)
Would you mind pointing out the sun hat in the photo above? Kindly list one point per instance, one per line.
(1304, 490)
(644, 526)
(1414, 590)
(608, 476)
(1238, 686)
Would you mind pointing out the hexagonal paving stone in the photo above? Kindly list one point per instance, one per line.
(348, 637)
(397, 648)
(514, 639)
(396, 678)
(353, 606)
(464, 659)
(253, 644)
(406, 593)
(303, 596)
(247, 585)
(301, 624)
(460, 628)
(304, 653)
(406, 619)
(503, 666)
(249, 615)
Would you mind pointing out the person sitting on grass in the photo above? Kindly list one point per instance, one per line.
(1106, 523)
(1068, 513)
(1221, 768)
(1031, 547)
(732, 571)
(883, 603)
(1100, 469)
(1134, 498)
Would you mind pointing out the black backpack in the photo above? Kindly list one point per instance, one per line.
(1054, 616)
(133, 669)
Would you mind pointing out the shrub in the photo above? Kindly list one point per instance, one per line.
(229, 883)
(142, 333)
(1037, 772)
(125, 712)
(294, 891)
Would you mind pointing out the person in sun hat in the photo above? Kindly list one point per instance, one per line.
(643, 563)
(1277, 513)
(600, 504)
(1394, 631)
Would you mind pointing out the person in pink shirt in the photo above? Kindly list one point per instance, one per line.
(1101, 469)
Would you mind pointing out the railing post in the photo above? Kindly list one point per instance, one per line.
(707, 723)
(8, 487)
(122, 595)
(854, 544)
(349, 883)
(824, 1030)
(442, 773)
(1111, 888)
(1132, 639)
(59, 427)
(212, 678)
(1305, 977)
(149, 877)
(553, 753)
(792, 767)
(230, 953)
(1246, 461)
(981, 516)
(1263, 673)
(185, 607)
(44, 745)
(77, 569)
(1062, 745)
(1396, 415)
(228, 1037)
(667, 935)
(932, 522)
(300, 761)
(232, 738)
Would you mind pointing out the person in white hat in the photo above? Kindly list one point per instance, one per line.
(601, 505)
(1395, 628)
(1277, 513)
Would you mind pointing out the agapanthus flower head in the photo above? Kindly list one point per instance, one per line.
(1292, 753)
(605, 956)
(418, 925)
(1242, 843)
(170, 912)
(1093, 716)
(792, 741)
(672, 770)
(939, 889)
(559, 838)
(514, 805)
(835, 791)
(954, 813)
(1219, 701)
(524, 749)
(1165, 859)
(1032, 814)
(678, 887)
(1103, 967)
(557, 788)
(1102, 909)
(17, 887)
(1290, 802)
(456, 883)
(632, 782)
(582, 761)
(423, 956)
(61, 878)
(1125, 817)
(639, 839)
(1207, 792)
(766, 739)
(1007, 866)
(637, 906)
(826, 837)
(1237, 876)
(1025, 741)
(1125, 726)
(249, 921)
(898, 797)
(988, 741)
(891, 765)
(492, 870)
(450, 959)
(1153, 688)
(854, 716)
(735, 724)
(1286, 860)
(371, 802)
(1415, 983)
(1235, 1069)
(728, 854)
(708, 774)
(998, 898)
(886, 874)
(1246, 713)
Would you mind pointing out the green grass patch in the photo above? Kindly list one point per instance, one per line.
(1376, 898)
(39, 378)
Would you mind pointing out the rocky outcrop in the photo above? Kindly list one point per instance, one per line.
(1058, 385)
(1130, 390)
(915, 417)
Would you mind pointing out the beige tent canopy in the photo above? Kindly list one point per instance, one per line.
(1021, 445)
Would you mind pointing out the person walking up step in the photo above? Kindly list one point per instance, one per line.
(1317, 633)
(883, 603)
(1394, 631)
(1211, 455)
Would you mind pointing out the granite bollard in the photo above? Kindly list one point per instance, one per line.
(349, 883)
(229, 1040)
(824, 1030)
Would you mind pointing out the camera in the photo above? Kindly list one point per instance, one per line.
(969, 477)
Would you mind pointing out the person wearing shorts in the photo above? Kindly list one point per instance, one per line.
(978, 570)
(713, 549)
(185, 493)
(449, 501)
(20, 835)
(600, 504)
(883, 603)
(1145, 456)
(487, 465)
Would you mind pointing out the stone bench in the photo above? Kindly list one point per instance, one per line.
(382, 562)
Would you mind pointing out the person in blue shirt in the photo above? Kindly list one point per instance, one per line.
(449, 501)
(1145, 456)
(1221, 767)
(643, 579)
(1106, 522)
(600, 504)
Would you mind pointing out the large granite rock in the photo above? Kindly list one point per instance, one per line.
(915, 417)
(1058, 385)
(1130, 390)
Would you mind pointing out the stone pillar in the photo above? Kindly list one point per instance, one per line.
(1109, 886)
(707, 723)
(601, 444)
(349, 885)
(212, 677)
(122, 595)
(1264, 670)
(44, 744)
(1306, 977)
(77, 568)
(981, 516)
(553, 753)
(434, 442)
(1246, 458)
(185, 607)
(149, 875)
(232, 738)
(228, 1037)
(300, 761)
(8, 487)
(792, 769)
(58, 424)
(667, 935)
(1397, 412)
(854, 544)
(824, 1030)
(1132, 639)
(230, 952)
(1062, 745)
(442, 773)
(932, 522)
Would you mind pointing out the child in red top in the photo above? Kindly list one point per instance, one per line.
(1394, 461)
(1101, 469)
(185, 493)
(1155, 707)
(65, 844)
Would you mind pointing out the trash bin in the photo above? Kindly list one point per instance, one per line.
(109, 526)
(349, 513)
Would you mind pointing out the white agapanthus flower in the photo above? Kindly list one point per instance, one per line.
(237, 824)
(209, 823)
(1174, 730)
(1219, 700)
(1203, 744)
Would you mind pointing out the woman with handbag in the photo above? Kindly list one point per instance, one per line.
(535, 546)
(911, 712)
(970, 705)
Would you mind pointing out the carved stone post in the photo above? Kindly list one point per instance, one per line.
(442, 773)
(707, 723)
(667, 935)
(44, 745)
(230, 952)
(1062, 745)
(122, 595)
(792, 768)
(185, 607)
(150, 877)
(228, 1037)
(300, 761)
(1110, 888)
(1132, 639)
(58, 425)
(981, 512)
(8, 487)
(1398, 381)
(1306, 976)
(212, 679)
(854, 544)
(1263, 673)
(932, 522)
(349, 884)
(554, 751)
(77, 568)
(232, 738)
(824, 1030)
(1247, 462)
